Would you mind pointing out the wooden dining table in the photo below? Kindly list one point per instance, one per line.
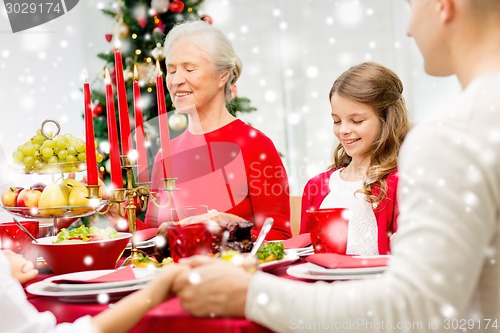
(167, 316)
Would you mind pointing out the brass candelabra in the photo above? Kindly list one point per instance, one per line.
(134, 193)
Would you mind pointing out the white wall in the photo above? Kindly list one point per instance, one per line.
(292, 51)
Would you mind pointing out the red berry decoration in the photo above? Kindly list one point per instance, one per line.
(176, 6)
(98, 110)
(108, 37)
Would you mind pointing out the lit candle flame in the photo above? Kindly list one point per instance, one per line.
(158, 68)
(107, 77)
(85, 75)
(136, 75)
(117, 42)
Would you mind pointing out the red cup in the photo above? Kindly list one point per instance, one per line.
(16, 240)
(187, 240)
(328, 229)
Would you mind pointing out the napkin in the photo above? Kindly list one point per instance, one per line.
(299, 241)
(122, 274)
(145, 234)
(333, 260)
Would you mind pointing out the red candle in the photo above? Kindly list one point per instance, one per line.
(89, 136)
(122, 104)
(166, 150)
(142, 158)
(114, 149)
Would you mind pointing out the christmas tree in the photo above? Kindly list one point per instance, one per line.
(140, 28)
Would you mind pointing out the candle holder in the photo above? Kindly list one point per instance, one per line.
(135, 196)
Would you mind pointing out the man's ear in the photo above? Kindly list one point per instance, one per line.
(446, 10)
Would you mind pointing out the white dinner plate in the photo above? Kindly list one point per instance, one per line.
(89, 291)
(315, 272)
(287, 259)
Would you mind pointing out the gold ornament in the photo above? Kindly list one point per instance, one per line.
(146, 72)
(121, 30)
(177, 121)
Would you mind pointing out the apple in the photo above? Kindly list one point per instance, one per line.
(38, 186)
(28, 198)
(9, 197)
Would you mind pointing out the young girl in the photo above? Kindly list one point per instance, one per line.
(370, 121)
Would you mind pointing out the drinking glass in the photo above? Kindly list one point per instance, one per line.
(328, 229)
(16, 240)
(188, 240)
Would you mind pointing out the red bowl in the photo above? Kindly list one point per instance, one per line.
(84, 256)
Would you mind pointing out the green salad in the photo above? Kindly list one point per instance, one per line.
(84, 234)
(271, 251)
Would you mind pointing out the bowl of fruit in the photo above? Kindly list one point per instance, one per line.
(82, 249)
(67, 198)
(49, 153)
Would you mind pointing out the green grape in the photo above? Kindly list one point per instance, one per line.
(38, 139)
(81, 147)
(98, 157)
(49, 143)
(18, 156)
(61, 142)
(73, 142)
(82, 157)
(28, 160)
(72, 150)
(52, 160)
(71, 158)
(47, 152)
(29, 150)
(62, 154)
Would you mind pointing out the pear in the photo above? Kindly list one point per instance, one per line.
(72, 183)
(53, 195)
(78, 197)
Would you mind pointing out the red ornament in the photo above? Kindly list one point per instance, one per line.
(98, 110)
(142, 21)
(208, 19)
(176, 6)
(109, 37)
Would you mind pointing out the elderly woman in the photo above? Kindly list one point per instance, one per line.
(219, 161)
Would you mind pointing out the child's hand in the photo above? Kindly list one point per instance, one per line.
(22, 270)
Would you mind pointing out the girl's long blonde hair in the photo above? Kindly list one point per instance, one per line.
(379, 87)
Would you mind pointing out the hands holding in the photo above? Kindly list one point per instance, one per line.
(212, 287)
(22, 270)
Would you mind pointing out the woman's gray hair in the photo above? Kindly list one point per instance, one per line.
(215, 43)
